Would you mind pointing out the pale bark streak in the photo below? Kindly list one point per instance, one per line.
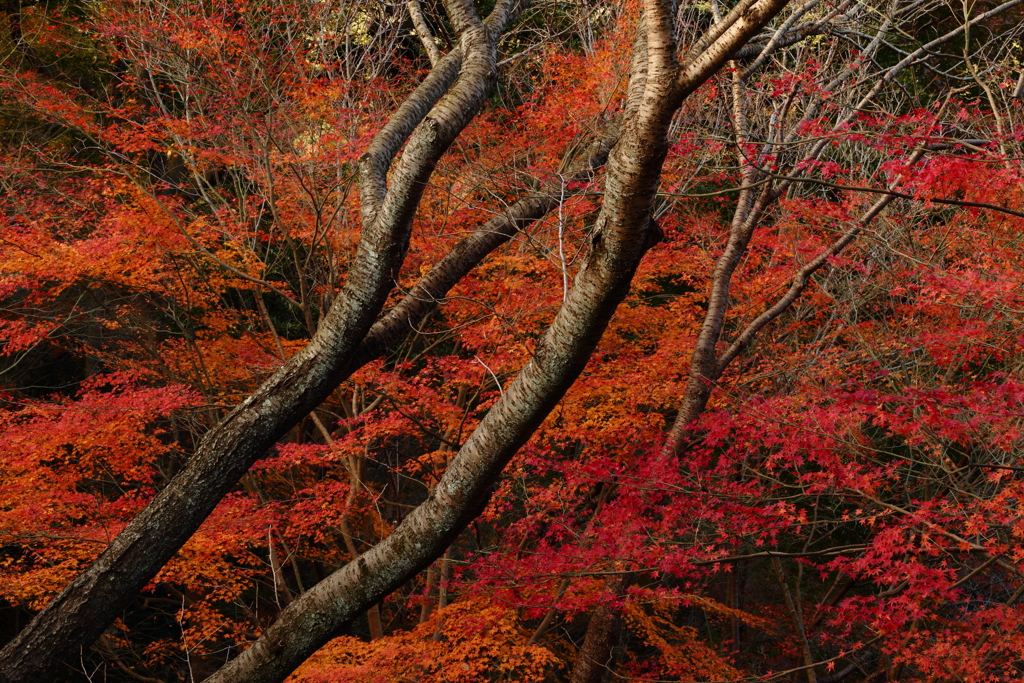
(423, 31)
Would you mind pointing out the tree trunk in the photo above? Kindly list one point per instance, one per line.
(426, 124)
(623, 233)
(595, 656)
(76, 617)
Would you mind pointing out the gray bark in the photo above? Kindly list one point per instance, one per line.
(430, 120)
(427, 124)
(622, 236)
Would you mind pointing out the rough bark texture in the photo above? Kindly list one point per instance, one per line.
(99, 595)
(622, 236)
(464, 256)
(595, 655)
(429, 121)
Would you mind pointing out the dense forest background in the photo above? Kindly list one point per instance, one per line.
(794, 453)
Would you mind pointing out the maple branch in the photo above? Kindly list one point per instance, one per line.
(799, 283)
(549, 616)
(970, 575)
(230, 268)
(704, 363)
(789, 672)
(904, 195)
(705, 368)
(52, 537)
(1017, 594)
(961, 541)
(889, 74)
(745, 217)
(802, 278)
(109, 648)
(836, 593)
(277, 573)
(772, 553)
(997, 467)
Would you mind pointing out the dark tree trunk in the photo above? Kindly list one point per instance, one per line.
(596, 653)
(426, 124)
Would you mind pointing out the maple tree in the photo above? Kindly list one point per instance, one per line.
(455, 341)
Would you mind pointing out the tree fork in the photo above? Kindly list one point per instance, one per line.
(431, 119)
(623, 235)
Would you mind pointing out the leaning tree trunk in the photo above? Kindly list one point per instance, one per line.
(427, 123)
(623, 233)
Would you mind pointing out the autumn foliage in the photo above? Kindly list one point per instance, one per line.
(180, 206)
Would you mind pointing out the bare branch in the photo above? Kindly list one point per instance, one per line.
(423, 31)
